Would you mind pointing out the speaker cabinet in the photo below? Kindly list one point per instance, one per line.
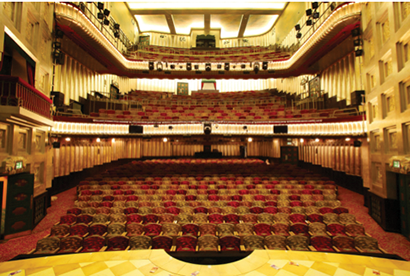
(58, 99)
(136, 129)
(56, 145)
(356, 97)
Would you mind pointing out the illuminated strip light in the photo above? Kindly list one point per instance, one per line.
(90, 129)
(319, 129)
(337, 16)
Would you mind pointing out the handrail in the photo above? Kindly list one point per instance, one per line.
(346, 111)
(14, 91)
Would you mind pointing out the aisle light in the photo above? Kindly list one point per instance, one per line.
(249, 139)
(113, 140)
(165, 140)
(317, 140)
(68, 139)
(98, 140)
(301, 140)
(347, 139)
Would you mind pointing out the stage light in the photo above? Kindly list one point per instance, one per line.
(265, 65)
(357, 42)
(308, 12)
(298, 35)
(106, 12)
(151, 65)
(309, 22)
(159, 66)
(116, 34)
(356, 31)
(196, 66)
(172, 66)
(188, 66)
(227, 66)
(116, 26)
(106, 21)
(315, 15)
(256, 67)
(243, 66)
(170, 127)
(100, 5)
(59, 34)
(219, 66)
(100, 15)
(358, 52)
(315, 5)
(297, 27)
(208, 67)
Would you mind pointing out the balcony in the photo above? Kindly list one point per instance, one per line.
(21, 101)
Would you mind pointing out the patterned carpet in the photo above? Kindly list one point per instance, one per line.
(391, 242)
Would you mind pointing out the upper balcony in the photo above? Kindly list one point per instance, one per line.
(293, 57)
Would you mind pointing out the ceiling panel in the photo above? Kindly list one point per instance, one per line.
(259, 24)
(184, 22)
(155, 22)
(228, 23)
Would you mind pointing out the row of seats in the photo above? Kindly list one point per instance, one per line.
(95, 243)
(125, 218)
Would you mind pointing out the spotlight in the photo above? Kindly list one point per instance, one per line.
(172, 66)
(308, 12)
(196, 66)
(265, 65)
(227, 66)
(116, 26)
(245, 127)
(219, 66)
(100, 15)
(243, 66)
(357, 42)
(208, 67)
(170, 127)
(159, 66)
(356, 32)
(309, 22)
(57, 45)
(100, 5)
(358, 52)
(256, 67)
(188, 66)
(315, 15)
(315, 5)
(207, 128)
(106, 12)
(116, 34)
(151, 65)
(298, 35)
(297, 27)
(106, 21)
(59, 34)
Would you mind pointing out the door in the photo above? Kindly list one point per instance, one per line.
(289, 155)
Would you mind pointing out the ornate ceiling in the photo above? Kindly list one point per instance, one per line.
(234, 18)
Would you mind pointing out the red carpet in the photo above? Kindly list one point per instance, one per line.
(391, 242)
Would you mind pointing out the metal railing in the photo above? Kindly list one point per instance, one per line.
(16, 92)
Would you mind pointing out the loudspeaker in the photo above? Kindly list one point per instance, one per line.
(357, 143)
(356, 97)
(265, 65)
(136, 129)
(207, 128)
(58, 100)
(56, 145)
(151, 65)
(280, 129)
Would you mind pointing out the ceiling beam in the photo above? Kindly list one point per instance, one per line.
(207, 23)
(170, 23)
(242, 27)
(215, 11)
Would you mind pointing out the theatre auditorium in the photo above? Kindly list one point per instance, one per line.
(234, 137)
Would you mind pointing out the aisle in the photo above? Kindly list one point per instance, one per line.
(11, 248)
(391, 242)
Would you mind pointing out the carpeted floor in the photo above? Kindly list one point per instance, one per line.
(391, 242)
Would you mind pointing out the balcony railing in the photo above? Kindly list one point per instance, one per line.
(16, 92)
